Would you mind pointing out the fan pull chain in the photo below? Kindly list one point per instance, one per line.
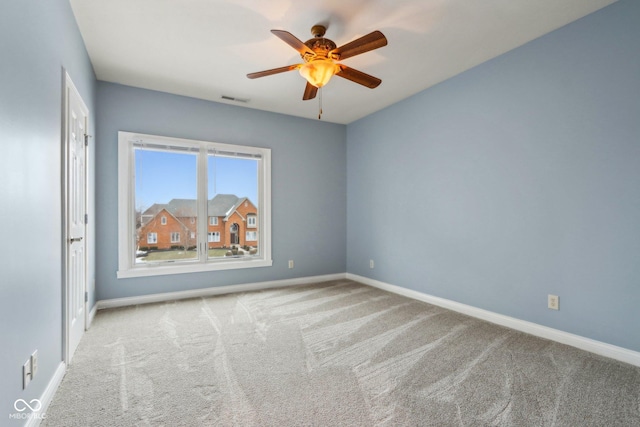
(320, 104)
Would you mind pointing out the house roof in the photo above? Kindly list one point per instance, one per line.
(154, 209)
(220, 205)
(233, 208)
(182, 207)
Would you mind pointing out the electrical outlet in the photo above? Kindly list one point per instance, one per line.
(553, 302)
(371, 263)
(34, 364)
(290, 263)
(26, 373)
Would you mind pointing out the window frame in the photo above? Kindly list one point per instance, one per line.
(213, 221)
(126, 207)
(155, 238)
(252, 221)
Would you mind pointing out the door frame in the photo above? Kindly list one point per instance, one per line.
(68, 85)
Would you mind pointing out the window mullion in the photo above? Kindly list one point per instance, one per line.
(203, 224)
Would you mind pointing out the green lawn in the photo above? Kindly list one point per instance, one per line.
(177, 254)
(169, 255)
(217, 252)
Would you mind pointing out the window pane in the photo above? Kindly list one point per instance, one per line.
(232, 200)
(166, 208)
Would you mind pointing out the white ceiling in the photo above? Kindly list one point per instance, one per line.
(205, 48)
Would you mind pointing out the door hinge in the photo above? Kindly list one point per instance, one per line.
(86, 219)
(86, 139)
(86, 297)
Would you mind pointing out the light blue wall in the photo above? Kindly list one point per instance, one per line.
(517, 179)
(37, 39)
(308, 184)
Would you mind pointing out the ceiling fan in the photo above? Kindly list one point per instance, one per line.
(321, 59)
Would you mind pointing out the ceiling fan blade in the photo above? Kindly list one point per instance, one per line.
(364, 44)
(358, 77)
(273, 71)
(294, 42)
(310, 92)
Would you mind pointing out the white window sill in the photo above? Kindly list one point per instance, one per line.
(164, 269)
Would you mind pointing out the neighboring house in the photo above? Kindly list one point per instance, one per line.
(231, 221)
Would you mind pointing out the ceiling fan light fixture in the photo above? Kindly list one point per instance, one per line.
(318, 72)
(321, 59)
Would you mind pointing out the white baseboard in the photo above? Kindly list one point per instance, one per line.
(197, 293)
(47, 396)
(593, 346)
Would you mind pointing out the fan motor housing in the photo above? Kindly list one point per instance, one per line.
(320, 46)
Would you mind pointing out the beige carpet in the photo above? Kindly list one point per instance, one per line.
(331, 354)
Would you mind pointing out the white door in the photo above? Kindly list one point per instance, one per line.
(76, 117)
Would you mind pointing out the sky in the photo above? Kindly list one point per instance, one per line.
(162, 176)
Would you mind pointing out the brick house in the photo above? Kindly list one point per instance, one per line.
(231, 221)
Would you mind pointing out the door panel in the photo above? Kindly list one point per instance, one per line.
(76, 122)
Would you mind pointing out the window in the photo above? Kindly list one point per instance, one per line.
(252, 236)
(251, 221)
(196, 182)
(163, 220)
